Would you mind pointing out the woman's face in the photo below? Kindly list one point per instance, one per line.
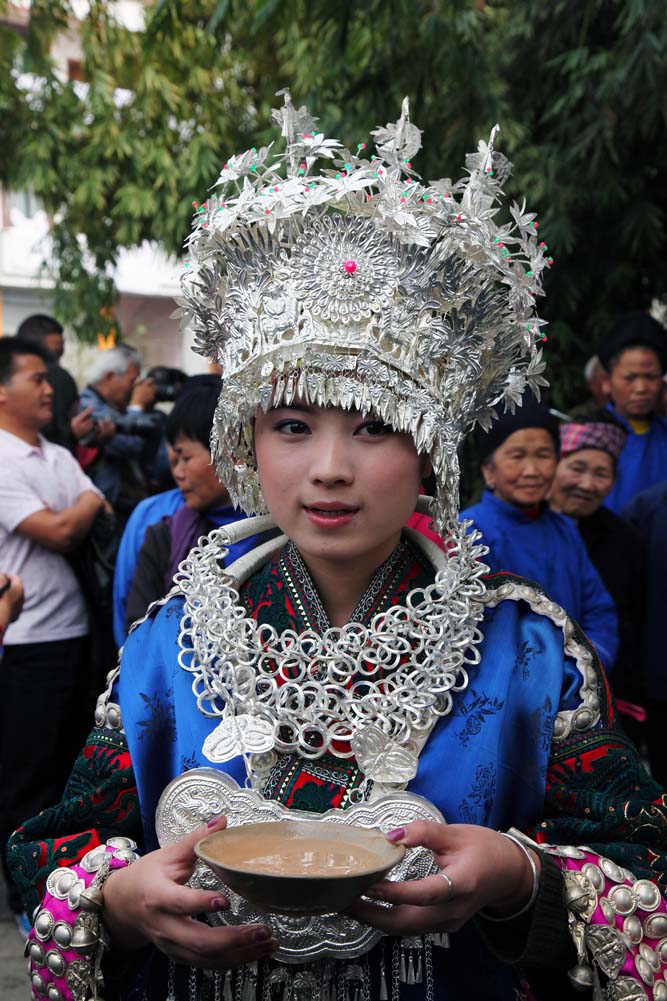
(194, 475)
(340, 484)
(521, 470)
(583, 480)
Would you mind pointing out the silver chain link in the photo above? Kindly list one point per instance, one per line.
(171, 982)
(395, 971)
(428, 964)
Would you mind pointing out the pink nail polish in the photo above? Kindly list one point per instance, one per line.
(396, 835)
(213, 822)
(219, 904)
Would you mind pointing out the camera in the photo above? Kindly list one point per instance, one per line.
(168, 382)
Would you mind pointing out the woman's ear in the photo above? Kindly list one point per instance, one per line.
(488, 472)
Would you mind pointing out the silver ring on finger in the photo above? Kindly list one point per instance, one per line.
(450, 883)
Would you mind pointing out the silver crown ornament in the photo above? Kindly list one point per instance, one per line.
(345, 280)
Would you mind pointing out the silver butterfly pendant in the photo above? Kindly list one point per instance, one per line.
(239, 735)
(381, 759)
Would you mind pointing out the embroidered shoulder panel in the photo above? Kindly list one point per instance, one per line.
(100, 801)
(599, 794)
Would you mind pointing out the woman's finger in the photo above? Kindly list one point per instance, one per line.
(183, 900)
(405, 919)
(185, 848)
(198, 944)
(435, 890)
(427, 833)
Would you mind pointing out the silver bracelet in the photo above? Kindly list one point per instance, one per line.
(536, 880)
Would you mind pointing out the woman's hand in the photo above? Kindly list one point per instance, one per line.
(484, 870)
(148, 902)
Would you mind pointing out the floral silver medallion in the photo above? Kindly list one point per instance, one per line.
(344, 269)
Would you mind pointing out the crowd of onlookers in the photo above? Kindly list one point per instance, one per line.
(578, 503)
(104, 491)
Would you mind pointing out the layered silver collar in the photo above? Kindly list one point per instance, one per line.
(370, 691)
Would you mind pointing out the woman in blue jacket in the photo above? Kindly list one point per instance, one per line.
(519, 457)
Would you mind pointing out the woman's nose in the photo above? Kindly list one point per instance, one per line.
(331, 462)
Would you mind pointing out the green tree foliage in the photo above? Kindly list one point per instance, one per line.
(116, 160)
(578, 88)
(588, 83)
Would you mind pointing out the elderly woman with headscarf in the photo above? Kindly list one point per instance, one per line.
(519, 456)
(585, 475)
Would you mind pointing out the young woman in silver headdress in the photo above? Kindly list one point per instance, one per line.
(364, 322)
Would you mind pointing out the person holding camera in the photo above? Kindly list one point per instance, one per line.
(127, 433)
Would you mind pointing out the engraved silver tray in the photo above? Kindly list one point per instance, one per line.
(191, 799)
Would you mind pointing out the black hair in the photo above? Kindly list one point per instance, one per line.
(37, 327)
(532, 414)
(192, 415)
(13, 347)
(634, 330)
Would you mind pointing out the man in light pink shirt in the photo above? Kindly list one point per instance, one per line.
(47, 507)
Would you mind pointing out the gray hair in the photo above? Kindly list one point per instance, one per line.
(116, 360)
(590, 367)
(131, 353)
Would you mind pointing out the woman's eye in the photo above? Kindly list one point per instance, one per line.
(374, 429)
(292, 428)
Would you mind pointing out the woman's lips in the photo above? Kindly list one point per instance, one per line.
(330, 514)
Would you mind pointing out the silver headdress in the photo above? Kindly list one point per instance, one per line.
(362, 287)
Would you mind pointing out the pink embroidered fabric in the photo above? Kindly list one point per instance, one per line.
(65, 944)
(618, 922)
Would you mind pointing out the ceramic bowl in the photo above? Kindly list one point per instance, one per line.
(299, 867)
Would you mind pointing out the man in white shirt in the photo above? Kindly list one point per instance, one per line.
(47, 507)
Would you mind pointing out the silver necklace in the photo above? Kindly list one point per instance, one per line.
(369, 691)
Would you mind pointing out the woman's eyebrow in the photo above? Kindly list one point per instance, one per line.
(301, 408)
